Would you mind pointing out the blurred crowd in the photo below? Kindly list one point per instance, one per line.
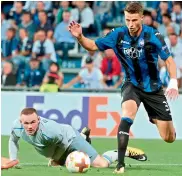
(35, 39)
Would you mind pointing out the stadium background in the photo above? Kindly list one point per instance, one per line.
(80, 106)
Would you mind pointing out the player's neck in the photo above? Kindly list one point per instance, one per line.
(136, 34)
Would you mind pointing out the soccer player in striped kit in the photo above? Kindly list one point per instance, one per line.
(138, 47)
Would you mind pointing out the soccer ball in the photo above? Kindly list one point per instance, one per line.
(77, 162)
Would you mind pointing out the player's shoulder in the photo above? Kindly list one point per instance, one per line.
(151, 32)
(148, 29)
(120, 29)
(117, 30)
(17, 127)
(17, 124)
(47, 127)
(46, 122)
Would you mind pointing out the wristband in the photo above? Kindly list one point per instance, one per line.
(173, 84)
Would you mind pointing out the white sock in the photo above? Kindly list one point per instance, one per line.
(127, 153)
(112, 155)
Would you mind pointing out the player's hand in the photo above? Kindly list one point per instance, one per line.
(75, 29)
(7, 163)
(172, 90)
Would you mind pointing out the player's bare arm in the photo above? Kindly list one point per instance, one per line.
(172, 89)
(76, 31)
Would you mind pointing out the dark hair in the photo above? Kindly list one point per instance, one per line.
(167, 15)
(66, 11)
(20, 2)
(173, 34)
(12, 30)
(134, 7)
(41, 30)
(27, 13)
(177, 3)
(147, 13)
(56, 64)
(24, 30)
(42, 11)
(28, 111)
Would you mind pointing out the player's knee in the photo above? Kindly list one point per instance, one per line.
(103, 164)
(129, 109)
(170, 138)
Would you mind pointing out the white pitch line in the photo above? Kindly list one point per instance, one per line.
(155, 164)
(152, 164)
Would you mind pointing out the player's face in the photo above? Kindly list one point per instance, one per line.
(30, 123)
(133, 22)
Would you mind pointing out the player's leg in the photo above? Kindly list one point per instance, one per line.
(130, 104)
(159, 113)
(166, 130)
(131, 152)
(80, 144)
(85, 133)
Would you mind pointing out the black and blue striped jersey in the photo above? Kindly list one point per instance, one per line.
(138, 55)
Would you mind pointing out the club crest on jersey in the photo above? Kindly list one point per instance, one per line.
(141, 42)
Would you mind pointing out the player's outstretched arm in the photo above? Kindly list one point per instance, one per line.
(13, 146)
(172, 89)
(76, 31)
(12, 161)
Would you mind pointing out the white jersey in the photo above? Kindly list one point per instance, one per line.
(51, 139)
(92, 80)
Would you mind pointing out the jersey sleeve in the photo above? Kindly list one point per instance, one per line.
(13, 146)
(108, 41)
(162, 48)
(13, 140)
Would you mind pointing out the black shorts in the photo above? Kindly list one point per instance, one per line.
(155, 103)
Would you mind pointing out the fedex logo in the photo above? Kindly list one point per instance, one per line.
(102, 122)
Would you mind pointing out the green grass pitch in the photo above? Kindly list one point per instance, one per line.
(163, 160)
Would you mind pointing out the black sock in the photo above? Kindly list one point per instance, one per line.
(123, 137)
